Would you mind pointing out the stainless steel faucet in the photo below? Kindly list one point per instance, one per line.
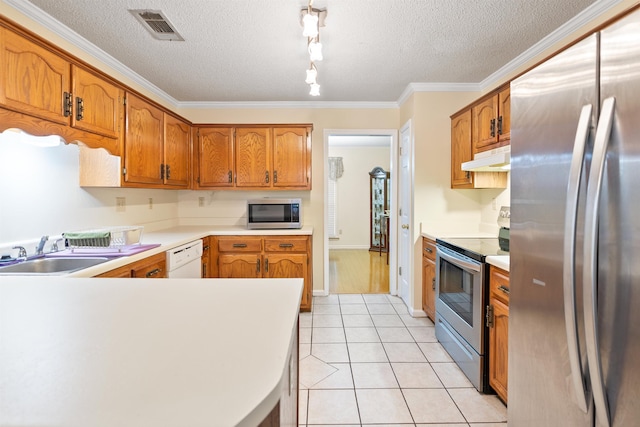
(40, 247)
(54, 246)
(22, 253)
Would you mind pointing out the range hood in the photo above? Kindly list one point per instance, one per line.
(496, 160)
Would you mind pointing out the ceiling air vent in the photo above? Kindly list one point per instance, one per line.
(157, 24)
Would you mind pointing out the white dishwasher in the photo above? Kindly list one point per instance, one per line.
(184, 262)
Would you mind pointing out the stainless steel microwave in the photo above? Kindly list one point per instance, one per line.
(274, 213)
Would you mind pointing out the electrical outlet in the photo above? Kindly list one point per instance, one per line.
(150, 203)
(121, 204)
(200, 202)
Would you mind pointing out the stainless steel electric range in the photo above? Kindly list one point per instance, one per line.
(462, 278)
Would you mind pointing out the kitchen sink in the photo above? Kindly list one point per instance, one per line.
(51, 266)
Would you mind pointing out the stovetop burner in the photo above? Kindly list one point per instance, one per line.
(475, 248)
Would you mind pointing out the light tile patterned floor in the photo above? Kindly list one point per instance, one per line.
(365, 361)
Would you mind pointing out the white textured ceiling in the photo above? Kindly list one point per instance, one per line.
(253, 51)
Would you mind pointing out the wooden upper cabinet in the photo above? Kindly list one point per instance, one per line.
(484, 124)
(267, 157)
(44, 93)
(492, 121)
(33, 80)
(504, 120)
(461, 150)
(291, 157)
(213, 157)
(143, 157)
(177, 151)
(253, 157)
(97, 104)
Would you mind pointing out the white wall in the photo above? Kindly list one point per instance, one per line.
(41, 195)
(353, 193)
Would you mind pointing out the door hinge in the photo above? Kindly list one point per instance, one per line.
(400, 271)
(489, 316)
(401, 151)
(124, 171)
(400, 212)
(124, 100)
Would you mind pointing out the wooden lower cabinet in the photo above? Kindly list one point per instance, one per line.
(499, 331)
(206, 257)
(264, 257)
(429, 277)
(153, 267)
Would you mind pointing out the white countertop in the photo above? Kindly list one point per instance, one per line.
(172, 237)
(143, 352)
(500, 261)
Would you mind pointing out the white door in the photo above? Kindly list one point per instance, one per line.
(404, 215)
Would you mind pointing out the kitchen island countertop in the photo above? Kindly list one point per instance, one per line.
(143, 352)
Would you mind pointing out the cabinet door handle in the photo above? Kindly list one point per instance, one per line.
(266, 265)
(286, 245)
(275, 177)
(467, 175)
(503, 289)
(230, 177)
(153, 272)
(239, 245)
(205, 248)
(161, 170)
(429, 250)
(67, 104)
(492, 127)
(258, 265)
(500, 125)
(168, 172)
(266, 176)
(79, 108)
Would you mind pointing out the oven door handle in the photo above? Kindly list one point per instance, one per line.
(465, 265)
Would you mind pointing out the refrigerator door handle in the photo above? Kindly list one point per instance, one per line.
(569, 265)
(590, 269)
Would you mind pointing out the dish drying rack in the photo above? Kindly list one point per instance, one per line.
(107, 239)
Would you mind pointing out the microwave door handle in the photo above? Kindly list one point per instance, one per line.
(569, 264)
(590, 267)
(465, 265)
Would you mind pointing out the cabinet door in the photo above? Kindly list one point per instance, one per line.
(291, 158)
(461, 150)
(504, 120)
(33, 80)
(252, 150)
(215, 158)
(239, 266)
(206, 258)
(484, 125)
(143, 156)
(153, 267)
(123, 272)
(499, 349)
(96, 104)
(287, 266)
(177, 150)
(429, 287)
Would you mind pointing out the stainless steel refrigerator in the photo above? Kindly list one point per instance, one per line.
(574, 325)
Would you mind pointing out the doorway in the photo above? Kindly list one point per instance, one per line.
(349, 264)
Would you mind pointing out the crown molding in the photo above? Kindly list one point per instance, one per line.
(288, 104)
(52, 24)
(437, 87)
(591, 13)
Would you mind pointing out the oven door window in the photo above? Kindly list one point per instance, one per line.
(456, 290)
